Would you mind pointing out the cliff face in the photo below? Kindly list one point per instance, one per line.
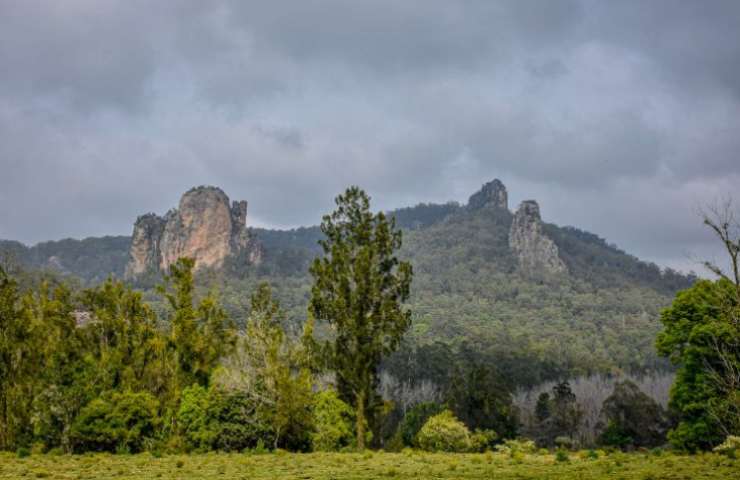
(492, 194)
(204, 227)
(532, 247)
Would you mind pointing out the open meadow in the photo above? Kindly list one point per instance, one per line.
(408, 465)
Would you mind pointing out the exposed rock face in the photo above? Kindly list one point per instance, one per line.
(204, 227)
(144, 253)
(533, 248)
(492, 194)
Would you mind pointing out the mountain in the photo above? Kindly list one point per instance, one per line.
(539, 299)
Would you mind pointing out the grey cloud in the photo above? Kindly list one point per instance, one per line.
(616, 115)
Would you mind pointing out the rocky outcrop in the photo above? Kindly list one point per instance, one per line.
(492, 194)
(204, 227)
(532, 247)
(144, 253)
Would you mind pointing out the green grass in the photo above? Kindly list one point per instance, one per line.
(409, 465)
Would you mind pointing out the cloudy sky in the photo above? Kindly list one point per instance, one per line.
(619, 117)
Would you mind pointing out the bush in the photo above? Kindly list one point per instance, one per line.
(192, 418)
(333, 421)
(615, 436)
(561, 455)
(729, 447)
(23, 452)
(415, 418)
(117, 422)
(511, 447)
(482, 440)
(444, 433)
(221, 420)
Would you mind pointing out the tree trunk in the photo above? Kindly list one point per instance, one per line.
(361, 421)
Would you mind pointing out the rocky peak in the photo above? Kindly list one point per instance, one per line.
(532, 247)
(205, 227)
(492, 194)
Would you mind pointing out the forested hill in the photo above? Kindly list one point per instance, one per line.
(539, 298)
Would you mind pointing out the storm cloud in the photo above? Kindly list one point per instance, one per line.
(619, 117)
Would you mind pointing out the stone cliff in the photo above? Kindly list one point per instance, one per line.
(529, 243)
(492, 194)
(204, 227)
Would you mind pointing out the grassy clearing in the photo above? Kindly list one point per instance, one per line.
(412, 465)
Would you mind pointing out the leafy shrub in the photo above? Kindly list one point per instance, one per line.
(614, 436)
(119, 422)
(729, 447)
(332, 423)
(510, 447)
(415, 418)
(221, 420)
(561, 455)
(444, 433)
(481, 440)
(192, 418)
(22, 452)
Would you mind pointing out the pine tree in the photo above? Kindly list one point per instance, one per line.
(359, 287)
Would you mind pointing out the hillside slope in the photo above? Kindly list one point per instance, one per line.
(533, 296)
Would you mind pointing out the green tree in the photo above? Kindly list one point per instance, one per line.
(117, 422)
(200, 334)
(16, 364)
(268, 370)
(542, 409)
(332, 423)
(124, 341)
(698, 330)
(359, 286)
(415, 418)
(564, 415)
(701, 335)
(65, 383)
(632, 418)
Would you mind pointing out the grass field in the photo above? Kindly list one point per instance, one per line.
(414, 465)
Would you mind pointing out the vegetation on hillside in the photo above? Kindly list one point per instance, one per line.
(105, 369)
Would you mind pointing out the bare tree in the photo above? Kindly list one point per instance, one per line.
(724, 368)
(721, 218)
(407, 394)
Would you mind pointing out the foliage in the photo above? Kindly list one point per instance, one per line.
(466, 287)
(512, 446)
(201, 333)
(116, 422)
(359, 286)
(192, 419)
(444, 433)
(730, 446)
(269, 372)
(560, 426)
(16, 353)
(480, 396)
(415, 418)
(633, 418)
(332, 423)
(701, 335)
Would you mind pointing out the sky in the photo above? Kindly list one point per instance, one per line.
(620, 118)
